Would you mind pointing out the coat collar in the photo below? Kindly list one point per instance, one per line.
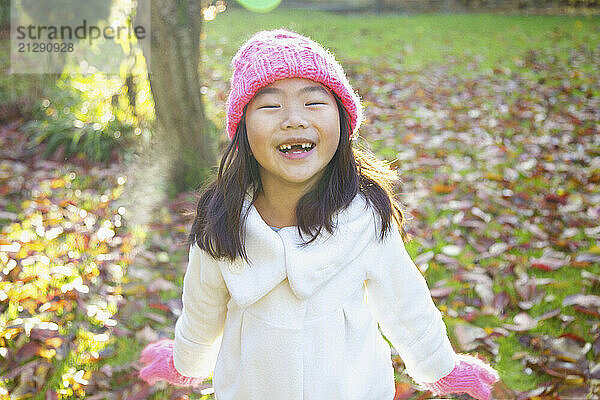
(275, 256)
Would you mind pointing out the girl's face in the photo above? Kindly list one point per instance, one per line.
(293, 130)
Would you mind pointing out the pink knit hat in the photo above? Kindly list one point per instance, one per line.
(278, 54)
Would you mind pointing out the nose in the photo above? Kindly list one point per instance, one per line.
(294, 118)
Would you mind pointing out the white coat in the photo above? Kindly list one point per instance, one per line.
(301, 323)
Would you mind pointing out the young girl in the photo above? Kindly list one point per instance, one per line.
(297, 252)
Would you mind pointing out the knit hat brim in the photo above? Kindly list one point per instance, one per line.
(269, 56)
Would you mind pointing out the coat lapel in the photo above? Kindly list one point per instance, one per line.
(274, 255)
(248, 282)
(310, 267)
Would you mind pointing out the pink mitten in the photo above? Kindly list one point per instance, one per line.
(470, 375)
(159, 355)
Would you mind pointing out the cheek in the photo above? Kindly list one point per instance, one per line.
(334, 127)
(260, 147)
(255, 139)
(255, 145)
(333, 139)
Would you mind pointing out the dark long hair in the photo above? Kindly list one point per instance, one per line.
(219, 226)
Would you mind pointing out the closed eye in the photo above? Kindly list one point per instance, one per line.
(309, 104)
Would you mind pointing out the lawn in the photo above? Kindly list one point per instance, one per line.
(414, 41)
(492, 123)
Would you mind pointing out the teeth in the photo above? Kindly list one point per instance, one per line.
(289, 146)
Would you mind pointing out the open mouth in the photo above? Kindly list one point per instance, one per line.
(296, 147)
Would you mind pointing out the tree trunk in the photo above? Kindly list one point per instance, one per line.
(183, 134)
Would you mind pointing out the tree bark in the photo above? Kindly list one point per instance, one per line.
(183, 134)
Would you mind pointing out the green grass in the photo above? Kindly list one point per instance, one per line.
(511, 371)
(367, 44)
(413, 41)
(382, 47)
(126, 350)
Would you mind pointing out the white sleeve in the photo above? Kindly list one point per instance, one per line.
(399, 298)
(199, 329)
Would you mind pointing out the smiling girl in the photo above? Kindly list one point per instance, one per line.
(296, 252)
(291, 146)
